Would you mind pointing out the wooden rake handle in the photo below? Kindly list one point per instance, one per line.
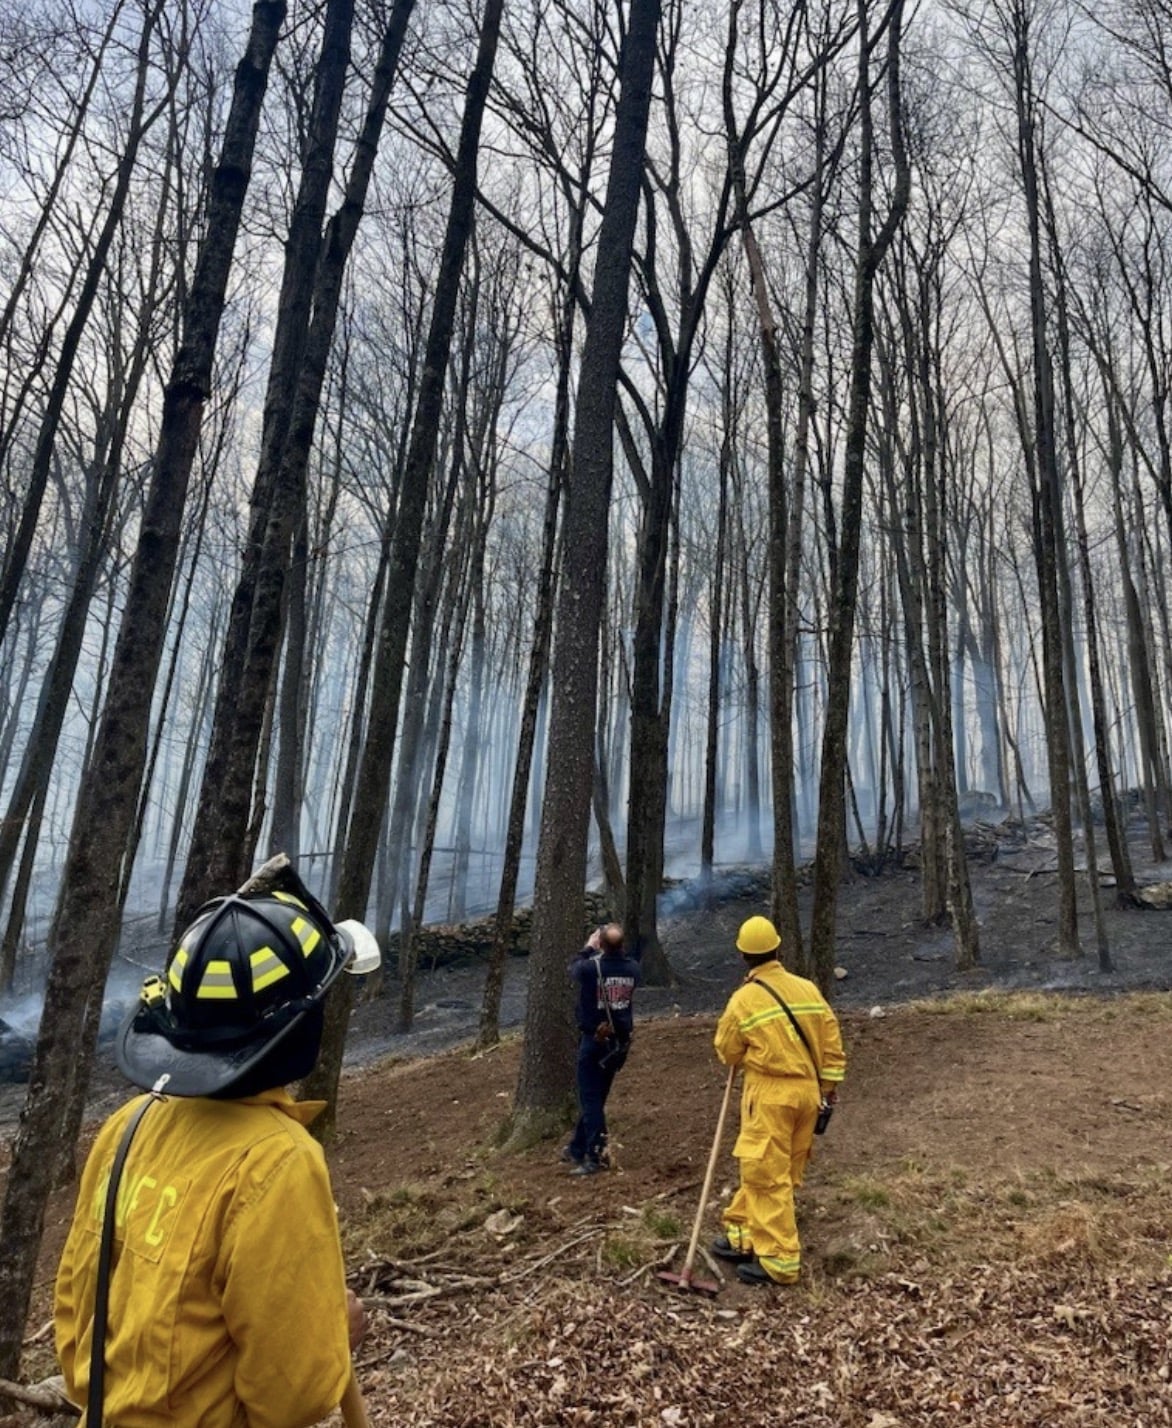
(708, 1174)
(352, 1406)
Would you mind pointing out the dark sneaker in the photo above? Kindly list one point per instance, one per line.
(587, 1167)
(753, 1274)
(722, 1249)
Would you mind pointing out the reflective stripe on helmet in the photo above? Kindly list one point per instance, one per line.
(175, 971)
(217, 983)
(267, 968)
(306, 934)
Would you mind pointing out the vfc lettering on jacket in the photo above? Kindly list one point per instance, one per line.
(145, 1212)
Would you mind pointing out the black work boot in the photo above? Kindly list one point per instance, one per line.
(753, 1273)
(722, 1249)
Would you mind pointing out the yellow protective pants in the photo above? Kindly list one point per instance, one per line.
(777, 1131)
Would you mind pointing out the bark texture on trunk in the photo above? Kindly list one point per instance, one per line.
(374, 770)
(546, 1073)
(84, 928)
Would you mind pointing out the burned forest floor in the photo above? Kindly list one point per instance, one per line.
(985, 1226)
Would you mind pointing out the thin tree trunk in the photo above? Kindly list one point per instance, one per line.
(716, 623)
(139, 124)
(409, 930)
(375, 766)
(1074, 466)
(828, 854)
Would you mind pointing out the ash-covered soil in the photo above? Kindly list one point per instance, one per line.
(888, 953)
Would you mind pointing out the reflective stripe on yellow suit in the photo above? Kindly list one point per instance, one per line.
(779, 1105)
(228, 1297)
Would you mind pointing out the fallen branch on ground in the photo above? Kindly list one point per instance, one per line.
(47, 1396)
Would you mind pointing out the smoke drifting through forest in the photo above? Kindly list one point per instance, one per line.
(950, 455)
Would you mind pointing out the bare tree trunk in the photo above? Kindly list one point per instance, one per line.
(220, 853)
(489, 1032)
(1066, 601)
(200, 712)
(870, 251)
(15, 692)
(84, 929)
(358, 717)
(547, 1056)
(785, 508)
(1046, 496)
(18, 906)
(409, 928)
(139, 124)
(408, 799)
(374, 771)
(1108, 791)
(716, 622)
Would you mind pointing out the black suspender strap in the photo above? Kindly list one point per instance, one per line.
(777, 997)
(95, 1399)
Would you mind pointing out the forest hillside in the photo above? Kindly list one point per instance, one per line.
(984, 1225)
(985, 1234)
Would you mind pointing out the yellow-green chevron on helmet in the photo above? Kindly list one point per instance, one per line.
(246, 973)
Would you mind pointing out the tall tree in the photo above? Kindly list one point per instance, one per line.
(1018, 17)
(374, 772)
(547, 1056)
(869, 253)
(221, 850)
(84, 928)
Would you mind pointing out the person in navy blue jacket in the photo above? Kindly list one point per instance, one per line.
(606, 978)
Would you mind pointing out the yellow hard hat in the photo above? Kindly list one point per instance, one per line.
(758, 935)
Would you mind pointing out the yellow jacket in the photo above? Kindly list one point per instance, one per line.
(228, 1294)
(754, 1031)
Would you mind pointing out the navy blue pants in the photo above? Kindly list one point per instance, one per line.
(599, 1062)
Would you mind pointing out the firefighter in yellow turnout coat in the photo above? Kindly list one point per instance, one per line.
(216, 1250)
(781, 1096)
(230, 1295)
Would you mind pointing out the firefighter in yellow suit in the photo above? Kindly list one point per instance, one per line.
(226, 1290)
(785, 1082)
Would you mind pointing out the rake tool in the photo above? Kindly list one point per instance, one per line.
(352, 1405)
(684, 1280)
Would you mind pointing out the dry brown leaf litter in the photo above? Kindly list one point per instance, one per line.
(999, 1348)
(986, 1240)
